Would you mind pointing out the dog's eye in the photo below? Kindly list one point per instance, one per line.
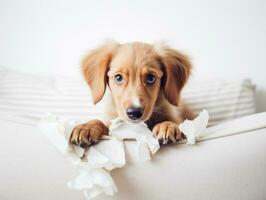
(150, 79)
(118, 78)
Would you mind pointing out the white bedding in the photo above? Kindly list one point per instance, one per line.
(231, 167)
(27, 97)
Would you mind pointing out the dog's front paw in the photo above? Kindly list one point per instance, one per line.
(167, 132)
(88, 133)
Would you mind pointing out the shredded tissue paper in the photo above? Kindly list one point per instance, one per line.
(95, 163)
(195, 129)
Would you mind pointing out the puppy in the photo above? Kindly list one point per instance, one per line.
(140, 83)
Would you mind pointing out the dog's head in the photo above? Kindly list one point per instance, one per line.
(136, 74)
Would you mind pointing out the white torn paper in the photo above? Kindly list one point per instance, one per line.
(195, 129)
(95, 163)
(146, 143)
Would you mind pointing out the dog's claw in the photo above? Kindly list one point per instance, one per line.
(165, 141)
(87, 134)
(84, 145)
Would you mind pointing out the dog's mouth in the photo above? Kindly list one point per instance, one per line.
(135, 121)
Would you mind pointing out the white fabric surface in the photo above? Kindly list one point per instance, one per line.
(230, 168)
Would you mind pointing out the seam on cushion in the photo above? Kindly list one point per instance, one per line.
(246, 85)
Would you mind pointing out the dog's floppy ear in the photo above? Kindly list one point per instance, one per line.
(177, 68)
(95, 66)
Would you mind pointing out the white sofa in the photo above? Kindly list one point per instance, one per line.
(232, 167)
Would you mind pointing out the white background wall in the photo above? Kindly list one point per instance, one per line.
(226, 39)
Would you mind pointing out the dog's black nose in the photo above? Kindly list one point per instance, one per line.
(134, 112)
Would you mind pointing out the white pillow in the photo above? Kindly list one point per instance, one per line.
(24, 98)
(223, 99)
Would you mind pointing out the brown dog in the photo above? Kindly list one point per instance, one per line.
(140, 83)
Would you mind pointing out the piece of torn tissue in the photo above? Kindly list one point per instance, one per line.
(195, 129)
(146, 143)
(95, 163)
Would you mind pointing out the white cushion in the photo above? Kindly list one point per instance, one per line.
(223, 99)
(26, 97)
(226, 168)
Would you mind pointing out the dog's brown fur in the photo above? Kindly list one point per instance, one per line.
(163, 110)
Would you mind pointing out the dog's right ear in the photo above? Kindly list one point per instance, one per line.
(95, 67)
(177, 68)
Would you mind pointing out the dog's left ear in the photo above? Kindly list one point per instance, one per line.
(95, 66)
(177, 69)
